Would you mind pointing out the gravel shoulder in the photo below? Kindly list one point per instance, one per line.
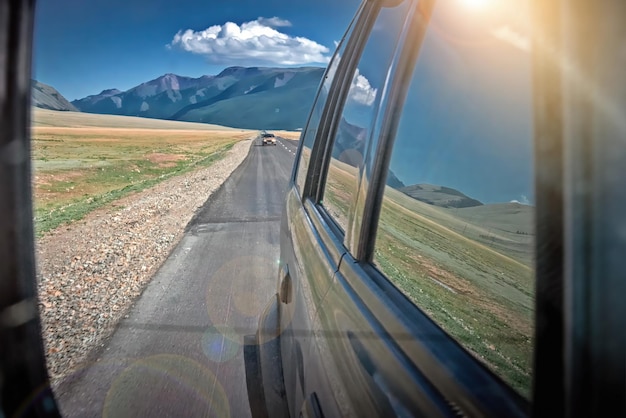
(91, 271)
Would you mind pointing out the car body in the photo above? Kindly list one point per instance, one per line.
(422, 265)
(268, 138)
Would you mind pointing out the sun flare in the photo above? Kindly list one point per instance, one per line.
(476, 4)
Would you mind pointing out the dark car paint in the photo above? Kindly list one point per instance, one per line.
(348, 346)
(341, 338)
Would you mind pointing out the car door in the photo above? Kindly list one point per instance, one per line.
(431, 310)
(338, 159)
(306, 266)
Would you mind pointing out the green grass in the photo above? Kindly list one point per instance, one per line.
(477, 293)
(340, 191)
(469, 269)
(48, 219)
(78, 169)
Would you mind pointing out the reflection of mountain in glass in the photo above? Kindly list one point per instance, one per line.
(349, 143)
(393, 180)
(442, 196)
(507, 227)
(349, 147)
(467, 120)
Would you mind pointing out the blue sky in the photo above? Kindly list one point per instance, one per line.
(83, 47)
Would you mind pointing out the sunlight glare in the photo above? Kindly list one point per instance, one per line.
(476, 4)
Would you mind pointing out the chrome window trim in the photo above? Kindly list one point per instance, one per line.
(336, 97)
(296, 167)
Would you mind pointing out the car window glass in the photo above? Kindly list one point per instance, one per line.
(455, 233)
(354, 124)
(308, 138)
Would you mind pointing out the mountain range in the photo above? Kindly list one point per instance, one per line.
(46, 97)
(241, 97)
(254, 98)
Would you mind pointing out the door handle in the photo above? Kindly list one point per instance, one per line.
(285, 290)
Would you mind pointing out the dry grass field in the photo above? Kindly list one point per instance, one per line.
(52, 118)
(83, 161)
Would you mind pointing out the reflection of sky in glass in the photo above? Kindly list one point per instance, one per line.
(359, 110)
(467, 118)
(370, 75)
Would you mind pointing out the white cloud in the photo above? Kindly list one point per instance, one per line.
(506, 34)
(361, 91)
(251, 42)
(523, 200)
(273, 22)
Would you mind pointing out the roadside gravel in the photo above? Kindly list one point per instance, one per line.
(90, 272)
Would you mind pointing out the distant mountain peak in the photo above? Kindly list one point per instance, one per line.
(109, 92)
(47, 97)
(171, 76)
(240, 71)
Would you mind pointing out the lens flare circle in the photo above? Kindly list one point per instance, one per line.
(166, 385)
(220, 344)
(240, 285)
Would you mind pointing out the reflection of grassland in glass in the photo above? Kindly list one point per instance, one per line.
(340, 190)
(475, 283)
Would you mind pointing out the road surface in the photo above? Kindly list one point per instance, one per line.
(179, 352)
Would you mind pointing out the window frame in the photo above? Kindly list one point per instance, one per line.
(318, 150)
(377, 291)
(348, 66)
(357, 207)
(354, 25)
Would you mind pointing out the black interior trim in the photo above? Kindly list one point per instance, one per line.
(548, 367)
(24, 384)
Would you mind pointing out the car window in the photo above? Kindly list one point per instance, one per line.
(355, 123)
(315, 116)
(455, 233)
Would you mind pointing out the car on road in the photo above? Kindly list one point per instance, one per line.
(268, 138)
(449, 238)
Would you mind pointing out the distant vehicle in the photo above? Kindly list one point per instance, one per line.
(450, 241)
(268, 138)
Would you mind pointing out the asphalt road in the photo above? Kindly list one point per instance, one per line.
(180, 351)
